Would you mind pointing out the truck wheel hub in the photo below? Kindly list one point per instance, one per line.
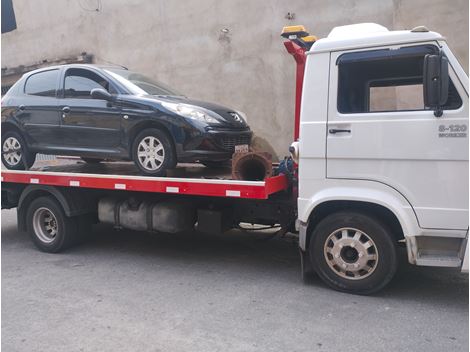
(45, 225)
(351, 253)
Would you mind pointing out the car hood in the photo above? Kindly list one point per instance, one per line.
(230, 117)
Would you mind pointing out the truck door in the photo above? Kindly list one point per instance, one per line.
(379, 130)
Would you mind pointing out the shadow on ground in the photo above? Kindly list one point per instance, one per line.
(136, 291)
(256, 252)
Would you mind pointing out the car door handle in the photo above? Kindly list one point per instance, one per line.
(66, 109)
(22, 107)
(338, 130)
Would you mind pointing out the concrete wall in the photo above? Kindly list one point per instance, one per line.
(182, 43)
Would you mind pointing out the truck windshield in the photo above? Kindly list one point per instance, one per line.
(138, 84)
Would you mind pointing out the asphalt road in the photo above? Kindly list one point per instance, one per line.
(131, 291)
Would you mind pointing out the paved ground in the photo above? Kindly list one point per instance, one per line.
(129, 291)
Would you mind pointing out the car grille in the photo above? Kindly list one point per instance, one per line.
(229, 142)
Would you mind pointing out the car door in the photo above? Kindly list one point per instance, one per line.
(379, 130)
(88, 124)
(38, 110)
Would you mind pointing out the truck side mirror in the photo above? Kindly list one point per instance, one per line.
(435, 82)
(99, 93)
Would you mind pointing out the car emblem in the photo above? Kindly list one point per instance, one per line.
(236, 117)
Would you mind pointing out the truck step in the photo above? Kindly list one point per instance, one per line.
(444, 260)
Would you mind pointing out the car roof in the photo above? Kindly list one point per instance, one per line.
(92, 66)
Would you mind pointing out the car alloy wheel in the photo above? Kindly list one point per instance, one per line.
(151, 153)
(12, 151)
(351, 253)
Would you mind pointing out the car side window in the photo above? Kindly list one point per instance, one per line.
(386, 80)
(43, 83)
(78, 83)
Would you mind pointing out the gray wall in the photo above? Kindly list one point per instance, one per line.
(181, 43)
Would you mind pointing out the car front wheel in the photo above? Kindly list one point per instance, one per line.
(15, 153)
(153, 152)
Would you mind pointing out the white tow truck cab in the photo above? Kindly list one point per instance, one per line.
(382, 156)
(373, 141)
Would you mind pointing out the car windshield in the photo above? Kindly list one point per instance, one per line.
(140, 84)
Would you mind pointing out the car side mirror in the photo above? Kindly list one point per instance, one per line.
(99, 93)
(435, 82)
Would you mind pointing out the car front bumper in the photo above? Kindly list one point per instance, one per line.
(214, 144)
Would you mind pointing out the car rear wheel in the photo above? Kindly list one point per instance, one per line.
(353, 252)
(15, 153)
(153, 153)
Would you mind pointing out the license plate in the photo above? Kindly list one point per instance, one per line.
(242, 148)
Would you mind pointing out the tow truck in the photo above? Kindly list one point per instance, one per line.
(380, 158)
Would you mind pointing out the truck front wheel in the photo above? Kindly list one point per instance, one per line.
(50, 229)
(353, 252)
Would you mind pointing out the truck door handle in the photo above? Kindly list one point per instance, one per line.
(338, 130)
(66, 109)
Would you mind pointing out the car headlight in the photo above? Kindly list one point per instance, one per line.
(243, 116)
(190, 112)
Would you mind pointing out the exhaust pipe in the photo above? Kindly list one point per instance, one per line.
(252, 166)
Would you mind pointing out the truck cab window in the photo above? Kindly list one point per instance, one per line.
(386, 80)
(79, 83)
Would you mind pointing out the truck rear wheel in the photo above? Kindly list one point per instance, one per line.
(50, 229)
(353, 252)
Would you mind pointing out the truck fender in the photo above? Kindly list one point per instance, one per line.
(389, 199)
(74, 202)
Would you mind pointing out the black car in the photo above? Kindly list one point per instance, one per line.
(99, 112)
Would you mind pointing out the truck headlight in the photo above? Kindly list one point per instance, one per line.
(191, 112)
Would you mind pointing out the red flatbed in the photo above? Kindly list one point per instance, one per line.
(186, 179)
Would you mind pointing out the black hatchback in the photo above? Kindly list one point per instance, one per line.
(98, 113)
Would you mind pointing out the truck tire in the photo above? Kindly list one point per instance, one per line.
(153, 152)
(353, 252)
(50, 229)
(15, 153)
